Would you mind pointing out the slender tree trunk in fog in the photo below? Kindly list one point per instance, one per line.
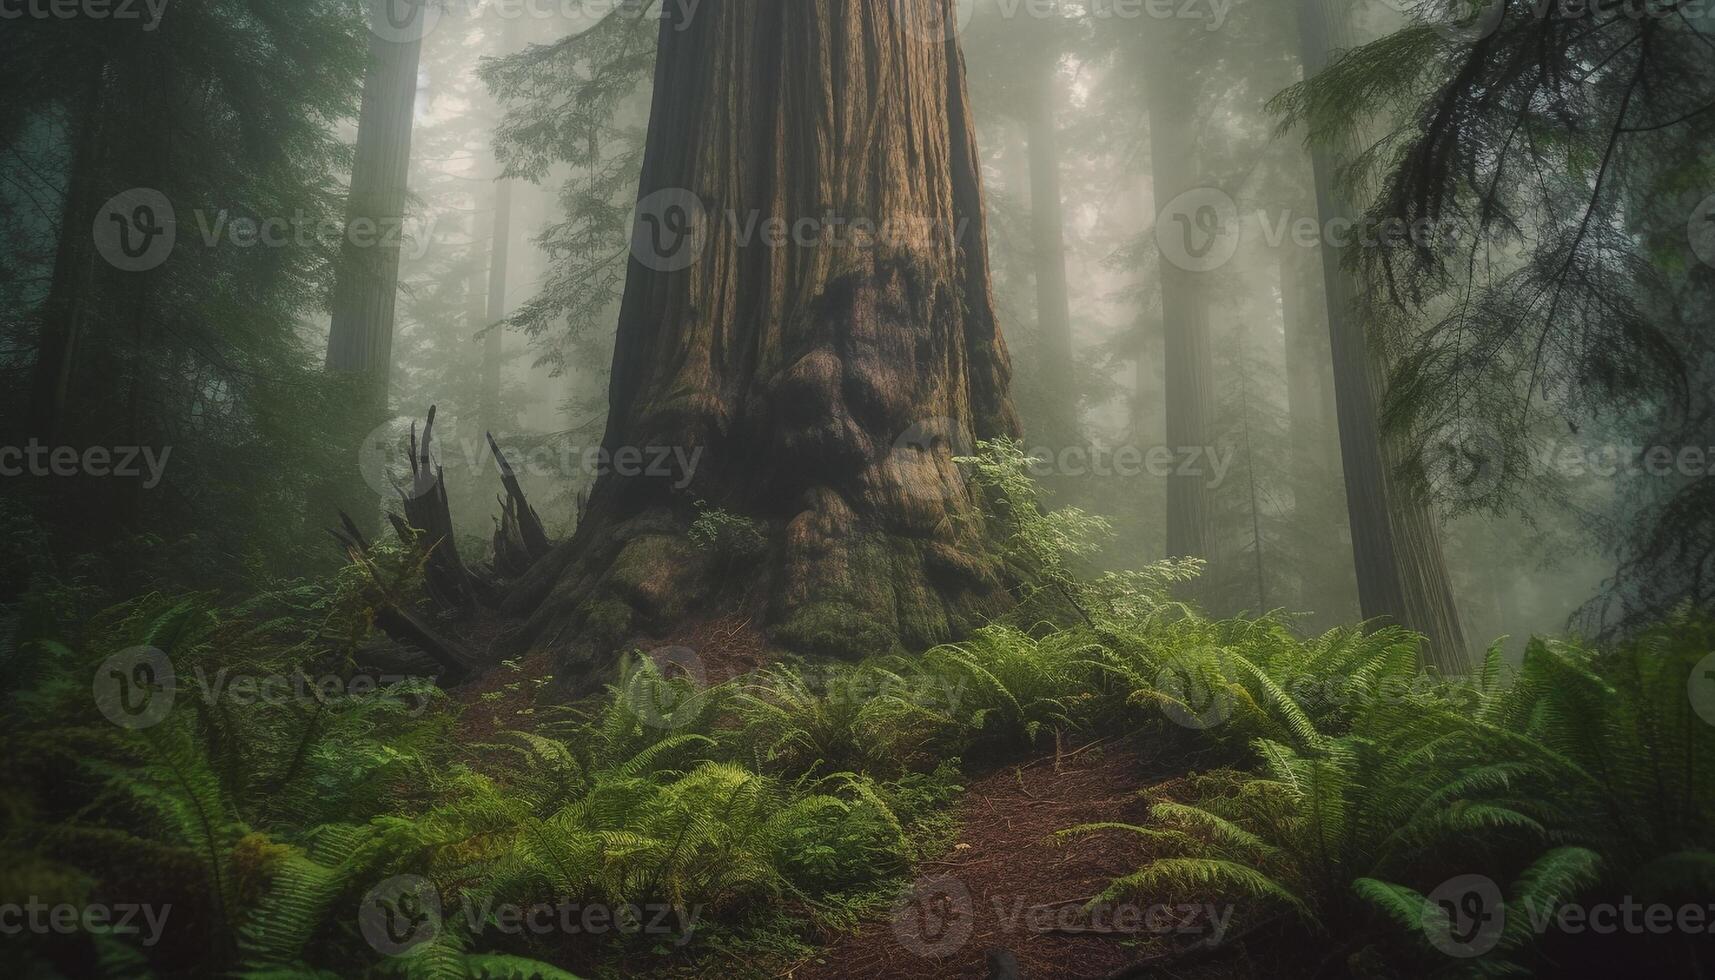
(1048, 257)
(64, 312)
(1396, 547)
(1189, 363)
(1146, 399)
(499, 256)
(823, 387)
(1250, 479)
(360, 342)
(1311, 411)
(366, 284)
(494, 342)
(1313, 421)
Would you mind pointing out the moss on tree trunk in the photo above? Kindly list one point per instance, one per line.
(827, 379)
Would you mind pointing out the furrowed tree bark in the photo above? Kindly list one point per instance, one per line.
(1396, 547)
(826, 384)
(1188, 360)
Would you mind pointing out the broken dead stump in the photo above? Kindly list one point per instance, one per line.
(395, 617)
(426, 526)
(520, 540)
(450, 583)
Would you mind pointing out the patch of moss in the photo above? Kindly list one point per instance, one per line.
(835, 629)
(920, 610)
(606, 622)
(659, 575)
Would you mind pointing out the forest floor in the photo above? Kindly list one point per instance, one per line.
(726, 646)
(1009, 884)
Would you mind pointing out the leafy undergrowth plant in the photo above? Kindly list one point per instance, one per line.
(1587, 776)
(341, 830)
(277, 801)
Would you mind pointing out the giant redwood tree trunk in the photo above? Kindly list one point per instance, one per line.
(1396, 547)
(828, 383)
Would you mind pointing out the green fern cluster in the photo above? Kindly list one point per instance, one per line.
(264, 824)
(196, 810)
(1589, 770)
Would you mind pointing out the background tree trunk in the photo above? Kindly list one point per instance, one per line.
(1048, 255)
(499, 259)
(494, 342)
(1396, 547)
(366, 284)
(1189, 363)
(361, 339)
(1309, 376)
(827, 385)
(64, 312)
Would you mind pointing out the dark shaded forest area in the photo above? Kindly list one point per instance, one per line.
(857, 488)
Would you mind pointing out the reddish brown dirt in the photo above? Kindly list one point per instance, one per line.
(501, 699)
(725, 646)
(1008, 884)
